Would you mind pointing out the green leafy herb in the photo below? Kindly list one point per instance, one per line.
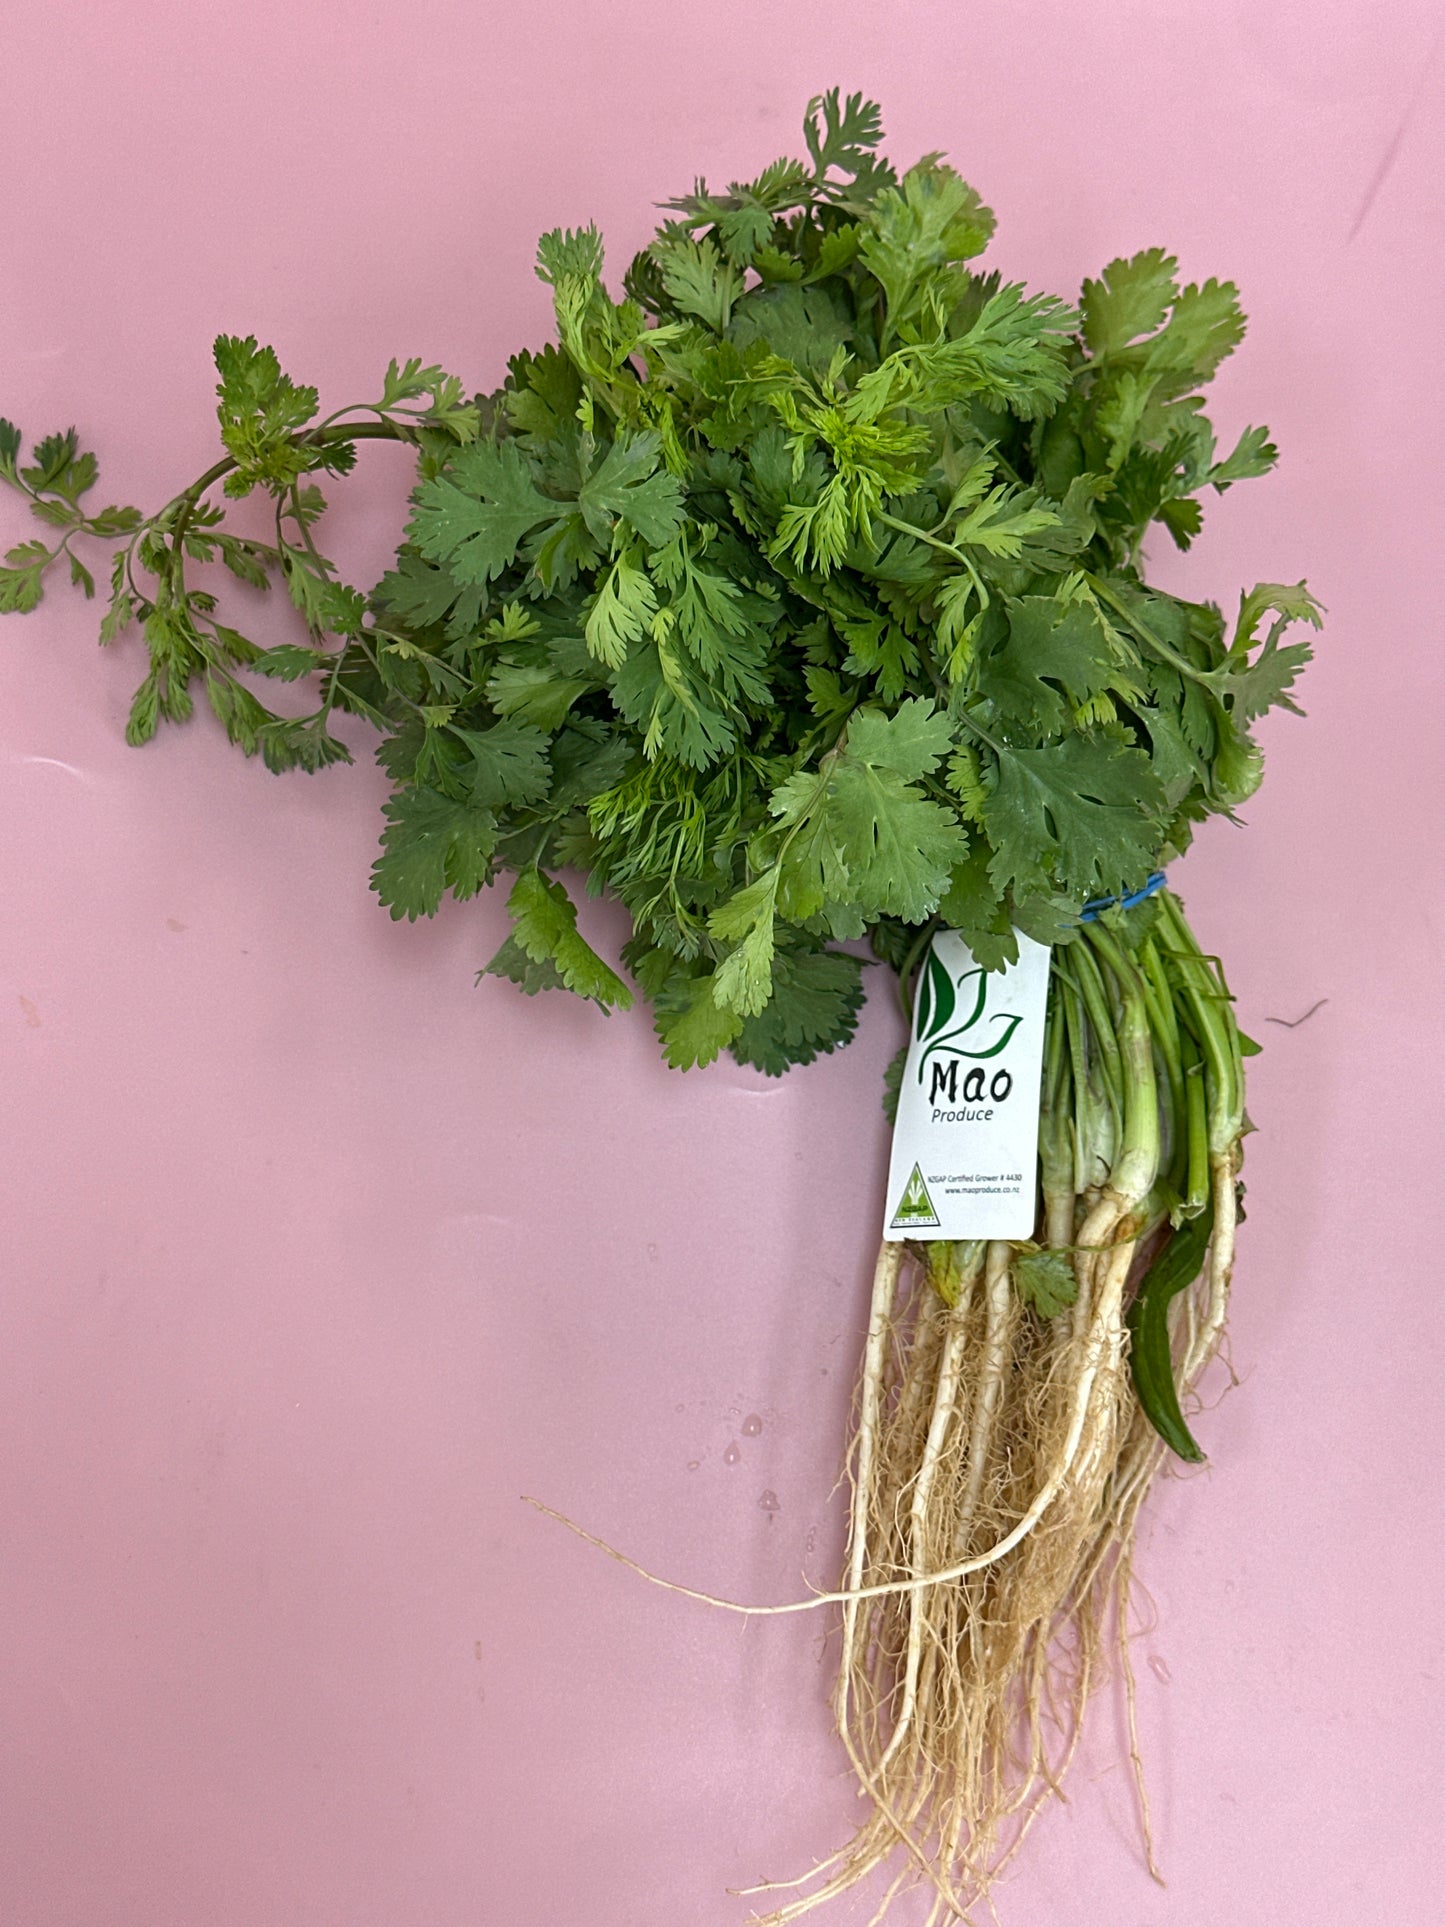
(795, 596)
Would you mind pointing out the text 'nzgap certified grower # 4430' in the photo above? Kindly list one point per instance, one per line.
(965, 1146)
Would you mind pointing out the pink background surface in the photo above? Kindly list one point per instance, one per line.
(316, 1257)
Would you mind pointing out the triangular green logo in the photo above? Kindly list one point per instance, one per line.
(915, 1207)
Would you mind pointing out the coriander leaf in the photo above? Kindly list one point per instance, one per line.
(534, 693)
(900, 847)
(1014, 354)
(971, 906)
(1256, 686)
(513, 963)
(1055, 657)
(1205, 325)
(1253, 454)
(1130, 298)
(59, 467)
(287, 662)
(544, 924)
(698, 279)
(328, 606)
(20, 580)
(565, 253)
(840, 133)
(260, 410)
(691, 1025)
(416, 590)
(804, 327)
(1002, 522)
(626, 484)
(1086, 813)
(432, 844)
(893, 1083)
(1044, 1279)
(302, 743)
(542, 397)
(860, 831)
(624, 606)
(929, 221)
(472, 518)
(662, 694)
(744, 979)
(814, 1008)
(509, 768)
(911, 742)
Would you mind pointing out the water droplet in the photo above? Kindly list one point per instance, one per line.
(811, 1540)
(752, 1425)
(679, 1408)
(769, 1503)
(652, 1251)
(1160, 1669)
(732, 1455)
(693, 1464)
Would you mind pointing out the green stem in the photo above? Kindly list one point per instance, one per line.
(1095, 1121)
(1144, 633)
(1169, 1047)
(922, 535)
(1101, 1023)
(187, 502)
(1133, 973)
(1137, 1164)
(1056, 1150)
(1212, 1020)
(1197, 1172)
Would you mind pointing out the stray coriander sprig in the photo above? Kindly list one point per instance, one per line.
(272, 444)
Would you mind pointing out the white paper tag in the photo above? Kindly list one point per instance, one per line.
(966, 1143)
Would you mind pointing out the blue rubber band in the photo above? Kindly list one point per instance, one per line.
(1097, 905)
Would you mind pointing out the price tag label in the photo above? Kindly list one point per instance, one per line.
(966, 1143)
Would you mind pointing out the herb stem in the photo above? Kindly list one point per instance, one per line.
(1144, 633)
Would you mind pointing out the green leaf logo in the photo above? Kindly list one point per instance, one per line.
(940, 1000)
(937, 998)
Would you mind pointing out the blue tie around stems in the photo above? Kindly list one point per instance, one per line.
(1097, 905)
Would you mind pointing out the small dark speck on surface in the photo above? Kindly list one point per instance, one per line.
(1293, 1023)
(174, 923)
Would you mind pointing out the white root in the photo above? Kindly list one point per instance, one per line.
(997, 1468)
(1098, 1353)
(944, 1405)
(880, 1315)
(998, 1302)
